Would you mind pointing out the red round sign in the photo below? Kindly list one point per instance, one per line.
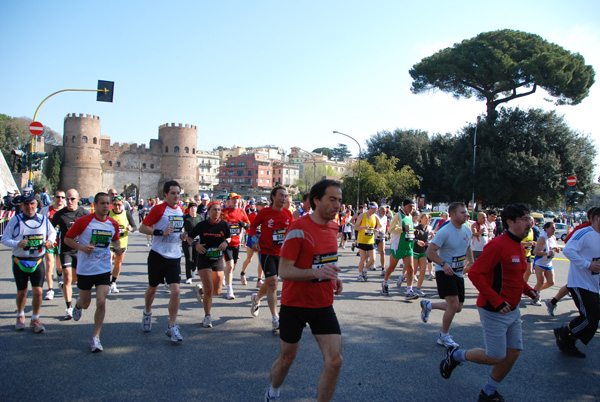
(36, 128)
(571, 180)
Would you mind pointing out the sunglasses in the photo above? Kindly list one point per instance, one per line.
(71, 198)
(62, 197)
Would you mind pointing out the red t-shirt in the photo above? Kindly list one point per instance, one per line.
(311, 246)
(251, 217)
(273, 225)
(233, 216)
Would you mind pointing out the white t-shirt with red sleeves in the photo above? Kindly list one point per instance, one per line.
(159, 217)
(91, 230)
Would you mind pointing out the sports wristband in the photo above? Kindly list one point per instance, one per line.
(157, 232)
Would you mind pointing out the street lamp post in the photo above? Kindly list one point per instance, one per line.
(358, 179)
(474, 159)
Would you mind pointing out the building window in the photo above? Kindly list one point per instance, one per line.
(95, 140)
(109, 163)
(232, 163)
(268, 172)
(193, 151)
(260, 181)
(84, 139)
(186, 150)
(253, 163)
(74, 139)
(143, 166)
(240, 172)
(152, 166)
(262, 172)
(166, 150)
(118, 164)
(287, 171)
(176, 149)
(249, 172)
(267, 181)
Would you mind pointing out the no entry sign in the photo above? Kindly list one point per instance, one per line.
(36, 128)
(571, 180)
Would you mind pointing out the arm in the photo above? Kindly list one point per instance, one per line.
(132, 226)
(289, 272)
(573, 252)
(433, 256)
(539, 248)
(7, 239)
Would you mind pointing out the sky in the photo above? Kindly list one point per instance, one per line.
(252, 73)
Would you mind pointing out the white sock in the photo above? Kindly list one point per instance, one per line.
(384, 283)
(35, 317)
(408, 289)
(21, 314)
(273, 391)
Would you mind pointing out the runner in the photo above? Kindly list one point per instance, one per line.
(401, 248)
(190, 220)
(30, 235)
(449, 250)
(346, 223)
(481, 235)
(422, 237)
(165, 224)
(366, 225)
(498, 275)
(64, 219)
(237, 220)
(304, 209)
(380, 236)
(94, 234)
(126, 225)
(213, 239)
(273, 222)
(545, 250)
(260, 204)
(307, 294)
(51, 257)
(583, 252)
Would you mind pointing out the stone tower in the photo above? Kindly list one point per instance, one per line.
(178, 160)
(81, 167)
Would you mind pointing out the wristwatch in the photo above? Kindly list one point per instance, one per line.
(442, 263)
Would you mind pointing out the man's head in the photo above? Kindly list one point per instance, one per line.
(458, 213)
(72, 199)
(59, 199)
(117, 203)
(197, 199)
(325, 198)
(492, 215)
(44, 189)
(102, 204)
(408, 206)
(516, 218)
(233, 201)
(205, 199)
(381, 211)
(445, 216)
(288, 202)
(278, 196)
(29, 205)
(306, 205)
(372, 207)
(171, 191)
(590, 213)
(481, 217)
(112, 193)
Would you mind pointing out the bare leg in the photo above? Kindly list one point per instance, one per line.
(207, 289)
(36, 301)
(331, 348)
(174, 303)
(101, 293)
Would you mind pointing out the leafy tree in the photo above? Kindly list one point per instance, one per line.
(341, 153)
(503, 65)
(54, 166)
(409, 147)
(325, 151)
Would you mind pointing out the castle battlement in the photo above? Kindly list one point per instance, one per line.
(177, 125)
(81, 116)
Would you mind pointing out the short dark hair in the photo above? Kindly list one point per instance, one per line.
(58, 191)
(595, 213)
(305, 196)
(590, 212)
(100, 194)
(318, 190)
(274, 192)
(547, 225)
(492, 212)
(454, 206)
(407, 201)
(513, 212)
(168, 185)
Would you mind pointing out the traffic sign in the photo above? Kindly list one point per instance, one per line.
(571, 180)
(470, 208)
(36, 128)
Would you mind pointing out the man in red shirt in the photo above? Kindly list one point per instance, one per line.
(237, 220)
(309, 271)
(498, 275)
(274, 222)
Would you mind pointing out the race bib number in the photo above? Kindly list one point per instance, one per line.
(278, 236)
(319, 261)
(369, 231)
(176, 222)
(34, 243)
(214, 254)
(234, 229)
(409, 236)
(458, 263)
(121, 230)
(100, 238)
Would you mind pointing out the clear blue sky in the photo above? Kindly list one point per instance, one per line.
(258, 72)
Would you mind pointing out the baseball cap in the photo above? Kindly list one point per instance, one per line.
(205, 197)
(251, 202)
(234, 195)
(26, 198)
(263, 201)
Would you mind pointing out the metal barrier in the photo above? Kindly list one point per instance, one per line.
(5, 216)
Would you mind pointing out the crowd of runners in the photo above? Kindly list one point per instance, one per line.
(300, 246)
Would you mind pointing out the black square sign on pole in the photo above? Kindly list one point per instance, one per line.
(105, 91)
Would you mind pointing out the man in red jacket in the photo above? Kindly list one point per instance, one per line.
(498, 275)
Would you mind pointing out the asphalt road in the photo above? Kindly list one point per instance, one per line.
(389, 354)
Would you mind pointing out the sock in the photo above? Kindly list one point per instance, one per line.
(554, 301)
(145, 313)
(273, 391)
(21, 314)
(35, 317)
(491, 386)
(275, 316)
(69, 304)
(460, 355)
(408, 289)
(114, 279)
(230, 287)
(384, 283)
(444, 333)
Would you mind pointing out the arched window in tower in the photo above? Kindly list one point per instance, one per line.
(109, 163)
(95, 140)
(74, 139)
(193, 151)
(143, 166)
(166, 150)
(186, 150)
(176, 149)
(118, 164)
(152, 166)
(84, 139)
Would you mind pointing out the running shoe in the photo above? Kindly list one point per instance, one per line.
(449, 364)
(400, 280)
(69, 313)
(495, 397)
(550, 307)
(384, 289)
(243, 279)
(382, 272)
(364, 274)
(420, 292)
(146, 322)
(77, 312)
(224, 282)
(255, 305)
(174, 334)
(425, 310)
(259, 283)
(199, 293)
(49, 295)
(167, 287)
(566, 344)
(275, 324)
(20, 324)
(230, 295)
(411, 295)
(207, 323)
(353, 246)
(535, 303)
(269, 398)
(37, 326)
(360, 278)
(447, 341)
(431, 277)
(373, 268)
(113, 288)
(60, 281)
(188, 281)
(96, 346)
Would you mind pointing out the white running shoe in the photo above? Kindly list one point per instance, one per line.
(167, 288)
(96, 346)
(113, 288)
(188, 281)
(207, 323)
(230, 295)
(447, 341)
(69, 314)
(174, 334)
(420, 292)
(77, 311)
(255, 305)
(275, 324)
(146, 322)
(49, 295)
(400, 280)
(425, 310)
(199, 293)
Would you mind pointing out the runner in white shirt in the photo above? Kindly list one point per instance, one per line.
(481, 235)
(165, 224)
(92, 235)
(380, 237)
